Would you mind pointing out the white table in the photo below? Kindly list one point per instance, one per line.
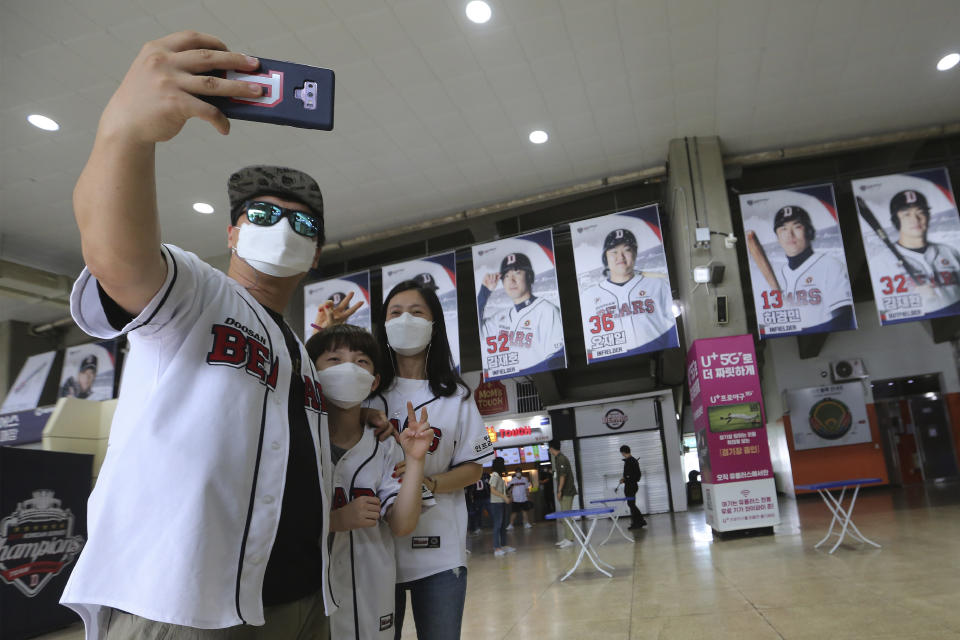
(614, 518)
(840, 514)
(570, 517)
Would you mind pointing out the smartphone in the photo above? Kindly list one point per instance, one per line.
(294, 95)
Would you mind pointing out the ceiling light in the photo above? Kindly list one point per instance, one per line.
(538, 137)
(202, 207)
(677, 309)
(42, 122)
(948, 61)
(478, 11)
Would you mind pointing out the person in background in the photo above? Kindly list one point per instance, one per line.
(418, 367)
(566, 489)
(520, 504)
(498, 508)
(631, 480)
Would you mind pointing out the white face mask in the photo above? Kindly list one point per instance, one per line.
(346, 384)
(276, 250)
(408, 335)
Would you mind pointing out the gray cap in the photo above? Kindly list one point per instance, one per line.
(282, 182)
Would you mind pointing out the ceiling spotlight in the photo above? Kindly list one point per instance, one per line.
(42, 122)
(948, 61)
(677, 309)
(538, 137)
(202, 207)
(478, 11)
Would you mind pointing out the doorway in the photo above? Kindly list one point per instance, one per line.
(915, 429)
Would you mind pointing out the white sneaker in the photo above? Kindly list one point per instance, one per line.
(499, 552)
(527, 525)
(563, 544)
(560, 544)
(509, 549)
(509, 527)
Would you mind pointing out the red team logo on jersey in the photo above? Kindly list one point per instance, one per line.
(340, 495)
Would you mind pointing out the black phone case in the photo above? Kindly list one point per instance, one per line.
(295, 95)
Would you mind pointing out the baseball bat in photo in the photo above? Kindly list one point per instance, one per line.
(871, 220)
(760, 259)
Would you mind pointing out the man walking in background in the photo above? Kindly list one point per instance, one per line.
(631, 481)
(566, 489)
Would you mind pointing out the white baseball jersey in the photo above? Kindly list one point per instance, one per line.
(362, 564)
(899, 297)
(183, 517)
(621, 318)
(518, 488)
(439, 541)
(808, 295)
(521, 340)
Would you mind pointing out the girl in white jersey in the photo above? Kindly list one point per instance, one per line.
(431, 563)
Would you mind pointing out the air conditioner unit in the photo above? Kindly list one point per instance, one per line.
(849, 369)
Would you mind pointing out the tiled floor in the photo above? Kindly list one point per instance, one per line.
(676, 582)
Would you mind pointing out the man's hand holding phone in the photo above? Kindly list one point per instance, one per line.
(159, 93)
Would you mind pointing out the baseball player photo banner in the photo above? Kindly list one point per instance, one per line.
(798, 269)
(440, 274)
(518, 304)
(911, 235)
(89, 371)
(626, 304)
(335, 291)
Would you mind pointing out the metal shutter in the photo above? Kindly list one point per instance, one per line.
(601, 467)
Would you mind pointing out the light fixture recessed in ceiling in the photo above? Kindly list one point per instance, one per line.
(42, 122)
(478, 11)
(948, 61)
(538, 136)
(202, 207)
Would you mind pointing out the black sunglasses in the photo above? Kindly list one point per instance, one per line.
(267, 214)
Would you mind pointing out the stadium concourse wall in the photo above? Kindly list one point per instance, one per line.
(887, 352)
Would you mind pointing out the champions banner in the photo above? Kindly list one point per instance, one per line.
(798, 269)
(626, 304)
(336, 290)
(89, 371)
(27, 388)
(440, 274)
(518, 305)
(911, 235)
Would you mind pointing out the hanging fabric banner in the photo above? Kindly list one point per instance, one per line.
(518, 304)
(336, 290)
(798, 268)
(626, 305)
(438, 273)
(911, 235)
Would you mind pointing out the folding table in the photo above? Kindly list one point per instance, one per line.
(840, 514)
(569, 517)
(614, 517)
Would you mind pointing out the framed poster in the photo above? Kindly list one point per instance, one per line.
(829, 416)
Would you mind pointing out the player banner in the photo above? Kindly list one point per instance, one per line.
(440, 274)
(626, 304)
(911, 233)
(798, 269)
(335, 290)
(518, 304)
(27, 388)
(89, 371)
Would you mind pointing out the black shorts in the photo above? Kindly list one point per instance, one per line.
(521, 506)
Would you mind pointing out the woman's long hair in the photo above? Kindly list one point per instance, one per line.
(441, 374)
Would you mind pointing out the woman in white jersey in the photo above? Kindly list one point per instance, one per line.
(432, 562)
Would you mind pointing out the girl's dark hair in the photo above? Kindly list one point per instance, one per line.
(441, 374)
(499, 465)
(345, 335)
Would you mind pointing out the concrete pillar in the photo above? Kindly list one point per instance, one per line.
(697, 197)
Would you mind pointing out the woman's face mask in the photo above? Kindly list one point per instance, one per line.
(408, 335)
(346, 385)
(276, 250)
